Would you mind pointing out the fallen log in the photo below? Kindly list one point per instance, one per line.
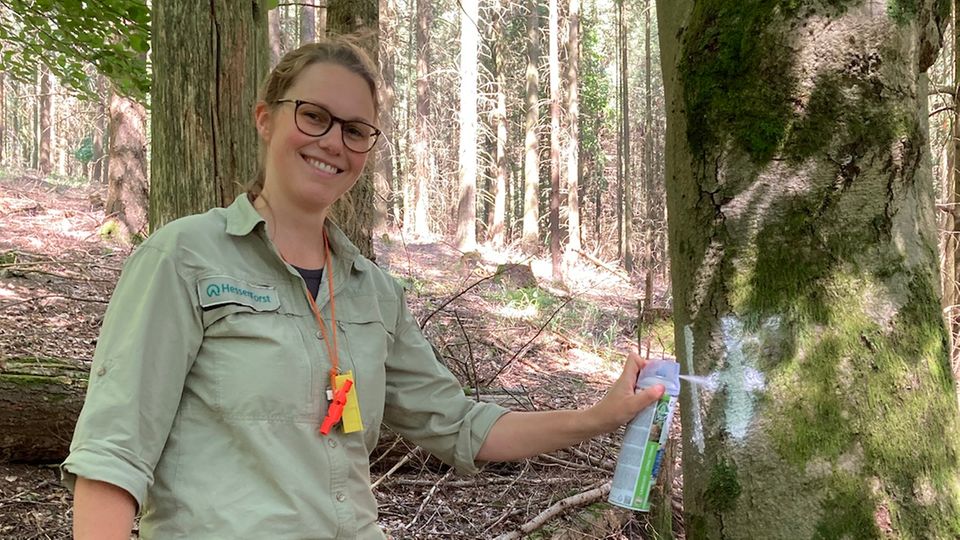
(40, 399)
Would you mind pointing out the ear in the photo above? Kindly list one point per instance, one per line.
(263, 119)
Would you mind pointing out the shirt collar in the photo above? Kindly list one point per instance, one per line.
(243, 218)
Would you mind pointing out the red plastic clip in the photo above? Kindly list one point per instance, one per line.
(335, 410)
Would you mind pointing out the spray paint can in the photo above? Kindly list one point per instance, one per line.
(645, 439)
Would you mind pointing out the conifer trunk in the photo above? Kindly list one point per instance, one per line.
(128, 188)
(803, 249)
(385, 177)
(45, 163)
(422, 171)
(466, 234)
(354, 212)
(531, 159)
(574, 165)
(553, 53)
(208, 61)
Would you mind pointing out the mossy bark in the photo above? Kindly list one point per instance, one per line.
(804, 264)
(40, 399)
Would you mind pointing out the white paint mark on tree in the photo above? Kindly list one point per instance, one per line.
(739, 376)
(695, 393)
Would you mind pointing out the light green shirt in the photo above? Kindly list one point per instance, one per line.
(209, 383)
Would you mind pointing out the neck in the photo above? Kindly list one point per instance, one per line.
(296, 233)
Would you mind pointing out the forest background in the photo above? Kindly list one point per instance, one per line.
(552, 144)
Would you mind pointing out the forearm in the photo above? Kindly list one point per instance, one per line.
(518, 435)
(102, 511)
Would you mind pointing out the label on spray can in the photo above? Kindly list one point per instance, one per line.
(645, 439)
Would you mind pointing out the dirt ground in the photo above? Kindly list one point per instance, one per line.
(528, 351)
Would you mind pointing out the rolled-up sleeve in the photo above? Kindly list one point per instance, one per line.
(149, 340)
(426, 404)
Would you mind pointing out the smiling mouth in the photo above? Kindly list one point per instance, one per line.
(321, 166)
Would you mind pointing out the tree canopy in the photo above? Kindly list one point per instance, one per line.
(68, 36)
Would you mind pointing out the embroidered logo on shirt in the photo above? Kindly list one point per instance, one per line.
(219, 290)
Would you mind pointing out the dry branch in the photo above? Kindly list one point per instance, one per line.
(618, 272)
(44, 297)
(556, 509)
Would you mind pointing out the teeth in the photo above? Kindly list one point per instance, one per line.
(330, 169)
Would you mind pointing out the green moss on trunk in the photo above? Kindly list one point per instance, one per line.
(859, 408)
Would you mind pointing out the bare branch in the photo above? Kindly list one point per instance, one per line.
(35, 298)
(556, 509)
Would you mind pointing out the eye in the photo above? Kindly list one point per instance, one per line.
(315, 115)
(356, 131)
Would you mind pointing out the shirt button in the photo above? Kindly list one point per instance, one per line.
(332, 443)
(320, 335)
(102, 371)
(341, 497)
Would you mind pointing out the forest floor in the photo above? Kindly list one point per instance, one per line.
(529, 346)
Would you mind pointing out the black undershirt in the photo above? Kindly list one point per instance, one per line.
(312, 278)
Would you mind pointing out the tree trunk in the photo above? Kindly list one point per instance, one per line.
(952, 247)
(35, 126)
(322, 19)
(40, 399)
(44, 163)
(620, 182)
(531, 177)
(208, 60)
(128, 189)
(805, 278)
(497, 223)
(101, 138)
(3, 116)
(626, 210)
(466, 235)
(384, 177)
(573, 114)
(308, 21)
(17, 144)
(275, 36)
(354, 212)
(422, 171)
(554, 61)
(651, 204)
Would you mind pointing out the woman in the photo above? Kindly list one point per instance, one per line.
(234, 337)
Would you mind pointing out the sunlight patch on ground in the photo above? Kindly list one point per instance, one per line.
(587, 362)
(513, 312)
(8, 293)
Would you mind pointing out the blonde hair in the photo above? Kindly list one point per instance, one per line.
(340, 50)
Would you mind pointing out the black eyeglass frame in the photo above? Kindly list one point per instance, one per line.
(333, 119)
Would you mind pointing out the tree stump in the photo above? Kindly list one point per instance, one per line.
(516, 276)
(40, 400)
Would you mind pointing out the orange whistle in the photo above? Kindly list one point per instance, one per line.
(335, 410)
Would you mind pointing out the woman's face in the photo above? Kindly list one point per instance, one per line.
(306, 171)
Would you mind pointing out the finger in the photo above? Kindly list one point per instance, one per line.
(632, 367)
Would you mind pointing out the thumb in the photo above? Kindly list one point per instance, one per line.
(647, 396)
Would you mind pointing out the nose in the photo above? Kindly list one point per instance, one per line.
(332, 140)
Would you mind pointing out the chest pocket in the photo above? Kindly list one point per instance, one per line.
(367, 324)
(254, 365)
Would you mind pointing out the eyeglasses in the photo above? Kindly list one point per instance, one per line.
(313, 120)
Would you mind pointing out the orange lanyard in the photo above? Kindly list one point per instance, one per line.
(331, 346)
